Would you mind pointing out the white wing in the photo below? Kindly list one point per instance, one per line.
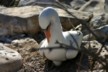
(43, 44)
(75, 38)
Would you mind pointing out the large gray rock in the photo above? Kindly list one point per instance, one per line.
(10, 60)
(17, 20)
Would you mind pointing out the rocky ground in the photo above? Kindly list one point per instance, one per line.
(32, 61)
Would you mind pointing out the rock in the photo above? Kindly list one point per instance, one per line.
(101, 32)
(23, 43)
(97, 21)
(95, 6)
(17, 20)
(14, 25)
(99, 10)
(69, 22)
(76, 4)
(10, 60)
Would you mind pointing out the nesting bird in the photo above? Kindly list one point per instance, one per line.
(50, 23)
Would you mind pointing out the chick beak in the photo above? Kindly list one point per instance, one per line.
(47, 33)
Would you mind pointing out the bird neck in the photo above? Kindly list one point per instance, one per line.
(56, 31)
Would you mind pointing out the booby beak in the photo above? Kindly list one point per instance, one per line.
(47, 32)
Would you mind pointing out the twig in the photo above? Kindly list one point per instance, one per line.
(97, 54)
(80, 62)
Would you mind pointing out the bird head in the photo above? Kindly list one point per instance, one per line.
(45, 20)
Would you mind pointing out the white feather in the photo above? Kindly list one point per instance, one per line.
(73, 38)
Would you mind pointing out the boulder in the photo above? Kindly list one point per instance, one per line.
(10, 60)
(17, 20)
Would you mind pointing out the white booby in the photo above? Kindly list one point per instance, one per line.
(50, 23)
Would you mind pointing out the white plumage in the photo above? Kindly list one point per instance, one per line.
(49, 21)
